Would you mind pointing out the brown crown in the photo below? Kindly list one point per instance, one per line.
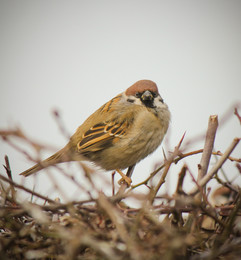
(141, 86)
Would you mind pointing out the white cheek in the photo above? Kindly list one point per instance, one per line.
(138, 102)
(158, 103)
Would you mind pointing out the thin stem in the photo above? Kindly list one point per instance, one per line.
(216, 167)
(208, 146)
(26, 189)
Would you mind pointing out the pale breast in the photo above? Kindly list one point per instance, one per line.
(143, 138)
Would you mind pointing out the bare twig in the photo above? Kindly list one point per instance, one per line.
(61, 124)
(7, 168)
(216, 167)
(18, 133)
(166, 169)
(232, 159)
(26, 189)
(177, 215)
(120, 225)
(228, 229)
(179, 189)
(237, 114)
(176, 160)
(9, 173)
(208, 147)
(238, 167)
(124, 185)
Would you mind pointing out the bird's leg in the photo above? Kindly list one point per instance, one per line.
(130, 171)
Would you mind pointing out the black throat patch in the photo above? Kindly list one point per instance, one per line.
(148, 103)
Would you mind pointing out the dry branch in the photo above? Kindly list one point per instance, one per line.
(26, 189)
(208, 146)
(216, 167)
(237, 114)
(103, 227)
(168, 163)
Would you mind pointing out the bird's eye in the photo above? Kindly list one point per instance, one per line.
(154, 94)
(138, 95)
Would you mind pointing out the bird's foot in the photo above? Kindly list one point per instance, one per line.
(124, 178)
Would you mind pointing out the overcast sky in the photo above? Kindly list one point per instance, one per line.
(74, 56)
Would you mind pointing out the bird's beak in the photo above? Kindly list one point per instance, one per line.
(147, 96)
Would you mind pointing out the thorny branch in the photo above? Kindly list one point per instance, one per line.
(103, 227)
(168, 163)
(237, 114)
(179, 157)
(216, 167)
(208, 146)
(26, 189)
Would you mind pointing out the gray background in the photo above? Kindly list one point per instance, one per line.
(74, 56)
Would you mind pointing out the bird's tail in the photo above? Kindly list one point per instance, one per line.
(56, 158)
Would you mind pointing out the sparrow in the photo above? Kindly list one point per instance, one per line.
(120, 133)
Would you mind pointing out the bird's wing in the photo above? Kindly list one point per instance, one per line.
(101, 136)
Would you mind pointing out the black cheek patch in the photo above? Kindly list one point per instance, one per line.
(130, 100)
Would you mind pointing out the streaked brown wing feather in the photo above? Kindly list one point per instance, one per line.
(101, 136)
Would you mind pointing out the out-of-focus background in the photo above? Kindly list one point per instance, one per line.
(73, 56)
